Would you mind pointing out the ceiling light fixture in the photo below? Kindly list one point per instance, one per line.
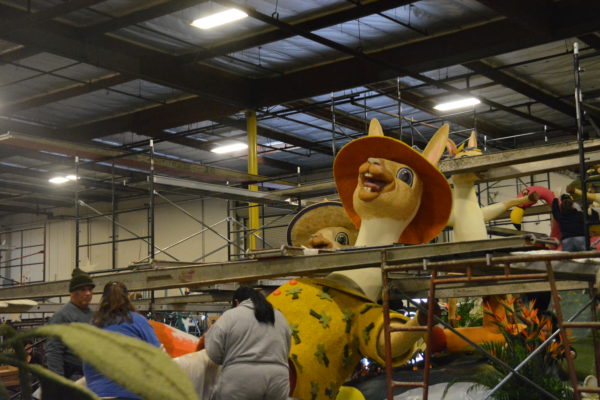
(218, 19)
(230, 148)
(452, 105)
(62, 179)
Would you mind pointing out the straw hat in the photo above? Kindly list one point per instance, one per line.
(315, 217)
(436, 201)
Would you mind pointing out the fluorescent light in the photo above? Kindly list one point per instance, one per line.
(58, 179)
(451, 105)
(62, 179)
(230, 148)
(221, 18)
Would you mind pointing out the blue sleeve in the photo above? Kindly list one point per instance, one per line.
(145, 329)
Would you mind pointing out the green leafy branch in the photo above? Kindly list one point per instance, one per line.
(138, 363)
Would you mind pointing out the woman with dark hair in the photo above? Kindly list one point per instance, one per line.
(117, 314)
(252, 342)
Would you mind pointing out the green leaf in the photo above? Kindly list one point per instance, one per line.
(134, 364)
(55, 386)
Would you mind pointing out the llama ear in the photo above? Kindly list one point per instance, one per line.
(435, 148)
(375, 128)
(473, 140)
(451, 147)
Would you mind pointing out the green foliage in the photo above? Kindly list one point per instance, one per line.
(134, 364)
(520, 341)
(57, 387)
(467, 314)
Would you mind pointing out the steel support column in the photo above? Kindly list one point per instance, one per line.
(253, 209)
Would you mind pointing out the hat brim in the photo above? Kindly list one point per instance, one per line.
(82, 285)
(315, 217)
(436, 201)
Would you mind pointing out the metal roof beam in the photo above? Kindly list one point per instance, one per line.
(521, 86)
(138, 16)
(533, 15)
(342, 119)
(214, 85)
(63, 93)
(387, 65)
(37, 200)
(17, 54)
(47, 14)
(139, 161)
(422, 104)
(68, 190)
(276, 135)
(476, 42)
(23, 210)
(350, 12)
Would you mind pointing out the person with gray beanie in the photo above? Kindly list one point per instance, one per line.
(58, 356)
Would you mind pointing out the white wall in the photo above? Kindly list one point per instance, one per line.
(171, 225)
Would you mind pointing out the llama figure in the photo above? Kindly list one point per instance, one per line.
(468, 218)
(323, 225)
(399, 196)
(394, 194)
(468, 222)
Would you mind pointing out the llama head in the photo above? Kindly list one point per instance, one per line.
(387, 189)
(333, 237)
(381, 177)
(323, 225)
(467, 149)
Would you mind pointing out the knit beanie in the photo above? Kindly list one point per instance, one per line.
(80, 279)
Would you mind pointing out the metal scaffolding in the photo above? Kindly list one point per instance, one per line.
(478, 270)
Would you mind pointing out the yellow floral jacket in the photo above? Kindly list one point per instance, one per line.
(333, 327)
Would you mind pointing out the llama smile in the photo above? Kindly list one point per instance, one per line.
(369, 184)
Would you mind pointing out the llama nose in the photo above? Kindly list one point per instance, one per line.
(373, 160)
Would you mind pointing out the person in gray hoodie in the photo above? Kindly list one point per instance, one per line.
(252, 342)
(59, 358)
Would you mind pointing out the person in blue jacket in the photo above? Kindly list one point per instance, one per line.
(117, 314)
(570, 221)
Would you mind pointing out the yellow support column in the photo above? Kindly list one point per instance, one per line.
(253, 210)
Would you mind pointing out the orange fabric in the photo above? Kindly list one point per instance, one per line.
(436, 202)
(176, 342)
(201, 341)
(478, 335)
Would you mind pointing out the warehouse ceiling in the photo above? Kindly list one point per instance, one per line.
(100, 79)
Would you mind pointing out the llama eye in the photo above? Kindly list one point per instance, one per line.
(342, 238)
(405, 175)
